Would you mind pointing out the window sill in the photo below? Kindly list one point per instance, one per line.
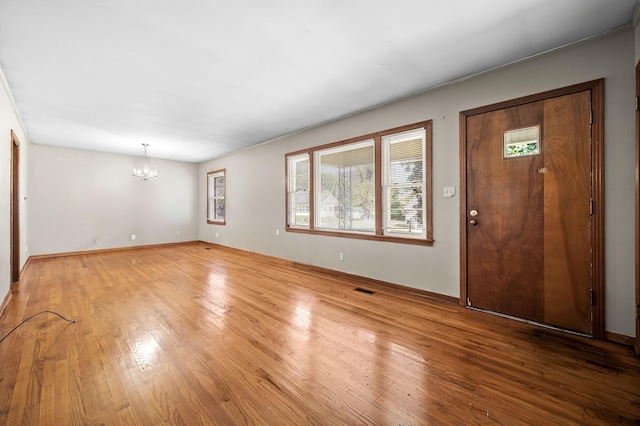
(216, 222)
(360, 236)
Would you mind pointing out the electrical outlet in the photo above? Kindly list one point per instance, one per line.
(277, 232)
(217, 235)
(178, 232)
(133, 236)
(341, 256)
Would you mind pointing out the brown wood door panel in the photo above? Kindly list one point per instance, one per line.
(529, 253)
(567, 218)
(505, 248)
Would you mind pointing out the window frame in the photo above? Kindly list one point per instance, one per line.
(291, 186)
(387, 186)
(214, 174)
(425, 238)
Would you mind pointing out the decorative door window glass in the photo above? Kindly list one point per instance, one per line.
(522, 142)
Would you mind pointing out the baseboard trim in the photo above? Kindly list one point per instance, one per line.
(620, 338)
(343, 275)
(108, 250)
(23, 270)
(378, 283)
(256, 256)
(5, 302)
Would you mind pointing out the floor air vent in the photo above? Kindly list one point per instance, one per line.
(207, 248)
(364, 290)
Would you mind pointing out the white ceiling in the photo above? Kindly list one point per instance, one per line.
(197, 79)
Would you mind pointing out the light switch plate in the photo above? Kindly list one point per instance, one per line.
(448, 191)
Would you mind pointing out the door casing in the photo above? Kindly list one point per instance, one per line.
(637, 305)
(15, 208)
(596, 87)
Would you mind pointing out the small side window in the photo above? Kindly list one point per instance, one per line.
(216, 197)
(298, 202)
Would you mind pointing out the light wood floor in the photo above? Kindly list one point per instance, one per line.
(195, 334)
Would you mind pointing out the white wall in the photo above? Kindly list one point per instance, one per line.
(256, 190)
(84, 200)
(10, 121)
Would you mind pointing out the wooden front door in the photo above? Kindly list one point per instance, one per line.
(528, 210)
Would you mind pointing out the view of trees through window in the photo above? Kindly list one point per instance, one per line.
(521, 149)
(219, 197)
(522, 142)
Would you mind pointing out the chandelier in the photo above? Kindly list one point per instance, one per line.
(145, 171)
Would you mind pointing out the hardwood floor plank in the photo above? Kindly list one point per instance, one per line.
(198, 335)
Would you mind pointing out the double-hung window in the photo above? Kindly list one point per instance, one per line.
(403, 183)
(298, 189)
(376, 186)
(216, 202)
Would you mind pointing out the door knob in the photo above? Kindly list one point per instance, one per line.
(473, 213)
(473, 222)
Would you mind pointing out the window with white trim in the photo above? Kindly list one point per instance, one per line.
(403, 183)
(376, 186)
(298, 189)
(216, 193)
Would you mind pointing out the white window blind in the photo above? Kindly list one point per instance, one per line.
(404, 183)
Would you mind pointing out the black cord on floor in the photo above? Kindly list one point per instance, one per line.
(35, 315)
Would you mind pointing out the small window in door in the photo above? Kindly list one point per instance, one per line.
(522, 142)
